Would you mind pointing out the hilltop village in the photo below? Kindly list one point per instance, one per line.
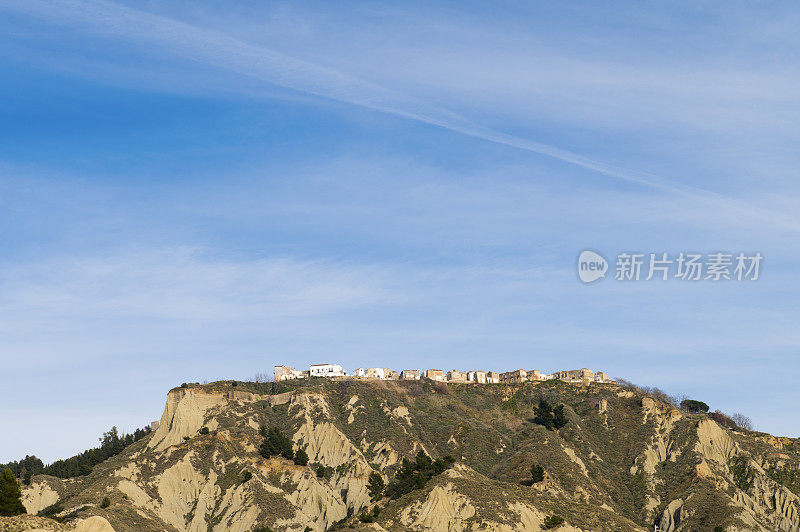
(575, 376)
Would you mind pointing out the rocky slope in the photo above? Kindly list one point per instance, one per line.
(623, 461)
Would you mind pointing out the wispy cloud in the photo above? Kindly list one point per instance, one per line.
(222, 51)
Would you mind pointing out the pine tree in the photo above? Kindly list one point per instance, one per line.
(375, 486)
(10, 494)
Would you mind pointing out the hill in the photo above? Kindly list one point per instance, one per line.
(612, 459)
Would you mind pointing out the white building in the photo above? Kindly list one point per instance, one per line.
(327, 370)
(376, 373)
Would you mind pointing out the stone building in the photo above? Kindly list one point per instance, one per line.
(492, 377)
(456, 376)
(535, 375)
(283, 373)
(602, 377)
(410, 375)
(390, 374)
(478, 377)
(514, 377)
(575, 375)
(435, 375)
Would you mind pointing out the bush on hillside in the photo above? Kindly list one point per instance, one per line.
(537, 473)
(51, 510)
(322, 471)
(552, 521)
(105, 503)
(742, 472)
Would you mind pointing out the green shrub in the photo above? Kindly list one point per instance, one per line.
(51, 510)
(366, 518)
(246, 476)
(322, 471)
(106, 502)
(203, 430)
(537, 473)
(742, 472)
(552, 521)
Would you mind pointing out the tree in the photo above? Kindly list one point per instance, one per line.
(105, 503)
(30, 465)
(722, 419)
(537, 473)
(414, 475)
(742, 421)
(275, 443)
(301, 457)
(543, 415)
(111, 444)
(694, 407)
(549, 417)
(375, 486)
(10, 494)
(559, 417)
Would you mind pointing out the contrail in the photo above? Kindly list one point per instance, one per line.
(217, 49)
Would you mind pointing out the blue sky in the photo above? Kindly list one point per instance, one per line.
(194, 191)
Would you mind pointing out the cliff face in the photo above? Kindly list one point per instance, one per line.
(622, 461)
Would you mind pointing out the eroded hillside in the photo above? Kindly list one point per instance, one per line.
(621, 461)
